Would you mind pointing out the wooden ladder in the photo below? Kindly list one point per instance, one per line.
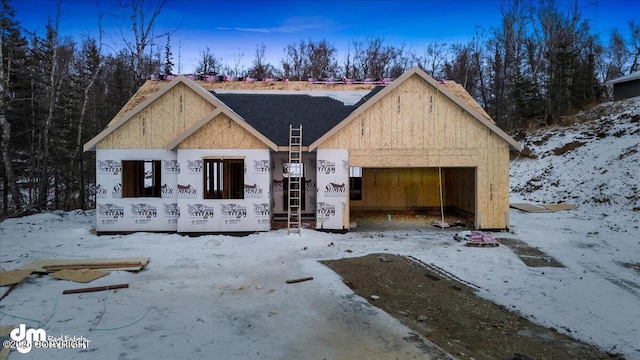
(294, 215)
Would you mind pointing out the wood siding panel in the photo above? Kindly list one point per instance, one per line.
(222, 133)
(399, 188)
(160, 122)
(427, 129)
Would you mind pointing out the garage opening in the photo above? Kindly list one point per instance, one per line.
(414, 193)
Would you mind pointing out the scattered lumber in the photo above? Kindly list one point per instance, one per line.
(91, 266)
(293, 281)
(94, 289)
(52, 265)
(13, 277)
(83, 275)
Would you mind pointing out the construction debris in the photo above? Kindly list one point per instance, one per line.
(53, 265)
(299, 280)
(441, 224)
(476, 238)
(82, 276)
(13, 277)
(5, 331)
(91, 266)
(544, 208)
(94, 289)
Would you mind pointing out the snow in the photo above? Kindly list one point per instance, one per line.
(226, 297)
(347, 97)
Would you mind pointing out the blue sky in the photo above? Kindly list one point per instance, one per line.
(231, 27)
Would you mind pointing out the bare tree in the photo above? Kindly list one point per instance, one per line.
(142, 24)
(237, 64)
(402, 59)
(208, 63)
(635, 46)
(321, 61)
(51, 47)
(371, 58)
(435, 56)
(261, 68)
(294, 62)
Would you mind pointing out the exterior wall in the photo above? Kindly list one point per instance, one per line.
(417, 126)
(117, 214)
(159, 123)
(460, 188)
(277, 163)
(398, 188)
(225, 215)
(332, 170)
(222, 133)
(626, 90)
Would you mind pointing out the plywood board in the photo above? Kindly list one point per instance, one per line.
(558, 207)
(13, 277)
(5, 331)
(529, 207)
(37, 266)
(82, 276)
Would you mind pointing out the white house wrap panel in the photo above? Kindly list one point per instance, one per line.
(252, 213)
(115, 213)
(332, 176)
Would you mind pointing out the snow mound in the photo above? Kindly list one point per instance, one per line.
(594, 164)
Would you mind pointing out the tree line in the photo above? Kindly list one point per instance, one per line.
(542, 62)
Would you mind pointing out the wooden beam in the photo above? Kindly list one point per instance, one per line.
(299, 280)
(97, 288)
(80, 266)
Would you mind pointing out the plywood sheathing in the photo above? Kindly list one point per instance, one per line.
(529, 208)
(150, 87)
(542, 208)
(38, 266)
(403, 188)
(222, 133)
(160, 122)
(414, 125)
(559, 207)
(82, 276)
(462, 93)
(13, 277)
(4, 335)
(420, 124)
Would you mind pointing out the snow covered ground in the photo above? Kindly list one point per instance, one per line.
(225, 297)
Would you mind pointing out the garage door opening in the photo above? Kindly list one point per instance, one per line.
(383, 194)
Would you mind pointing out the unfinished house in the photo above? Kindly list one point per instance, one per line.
(194, 160)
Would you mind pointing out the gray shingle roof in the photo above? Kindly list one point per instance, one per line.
(271, 114)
